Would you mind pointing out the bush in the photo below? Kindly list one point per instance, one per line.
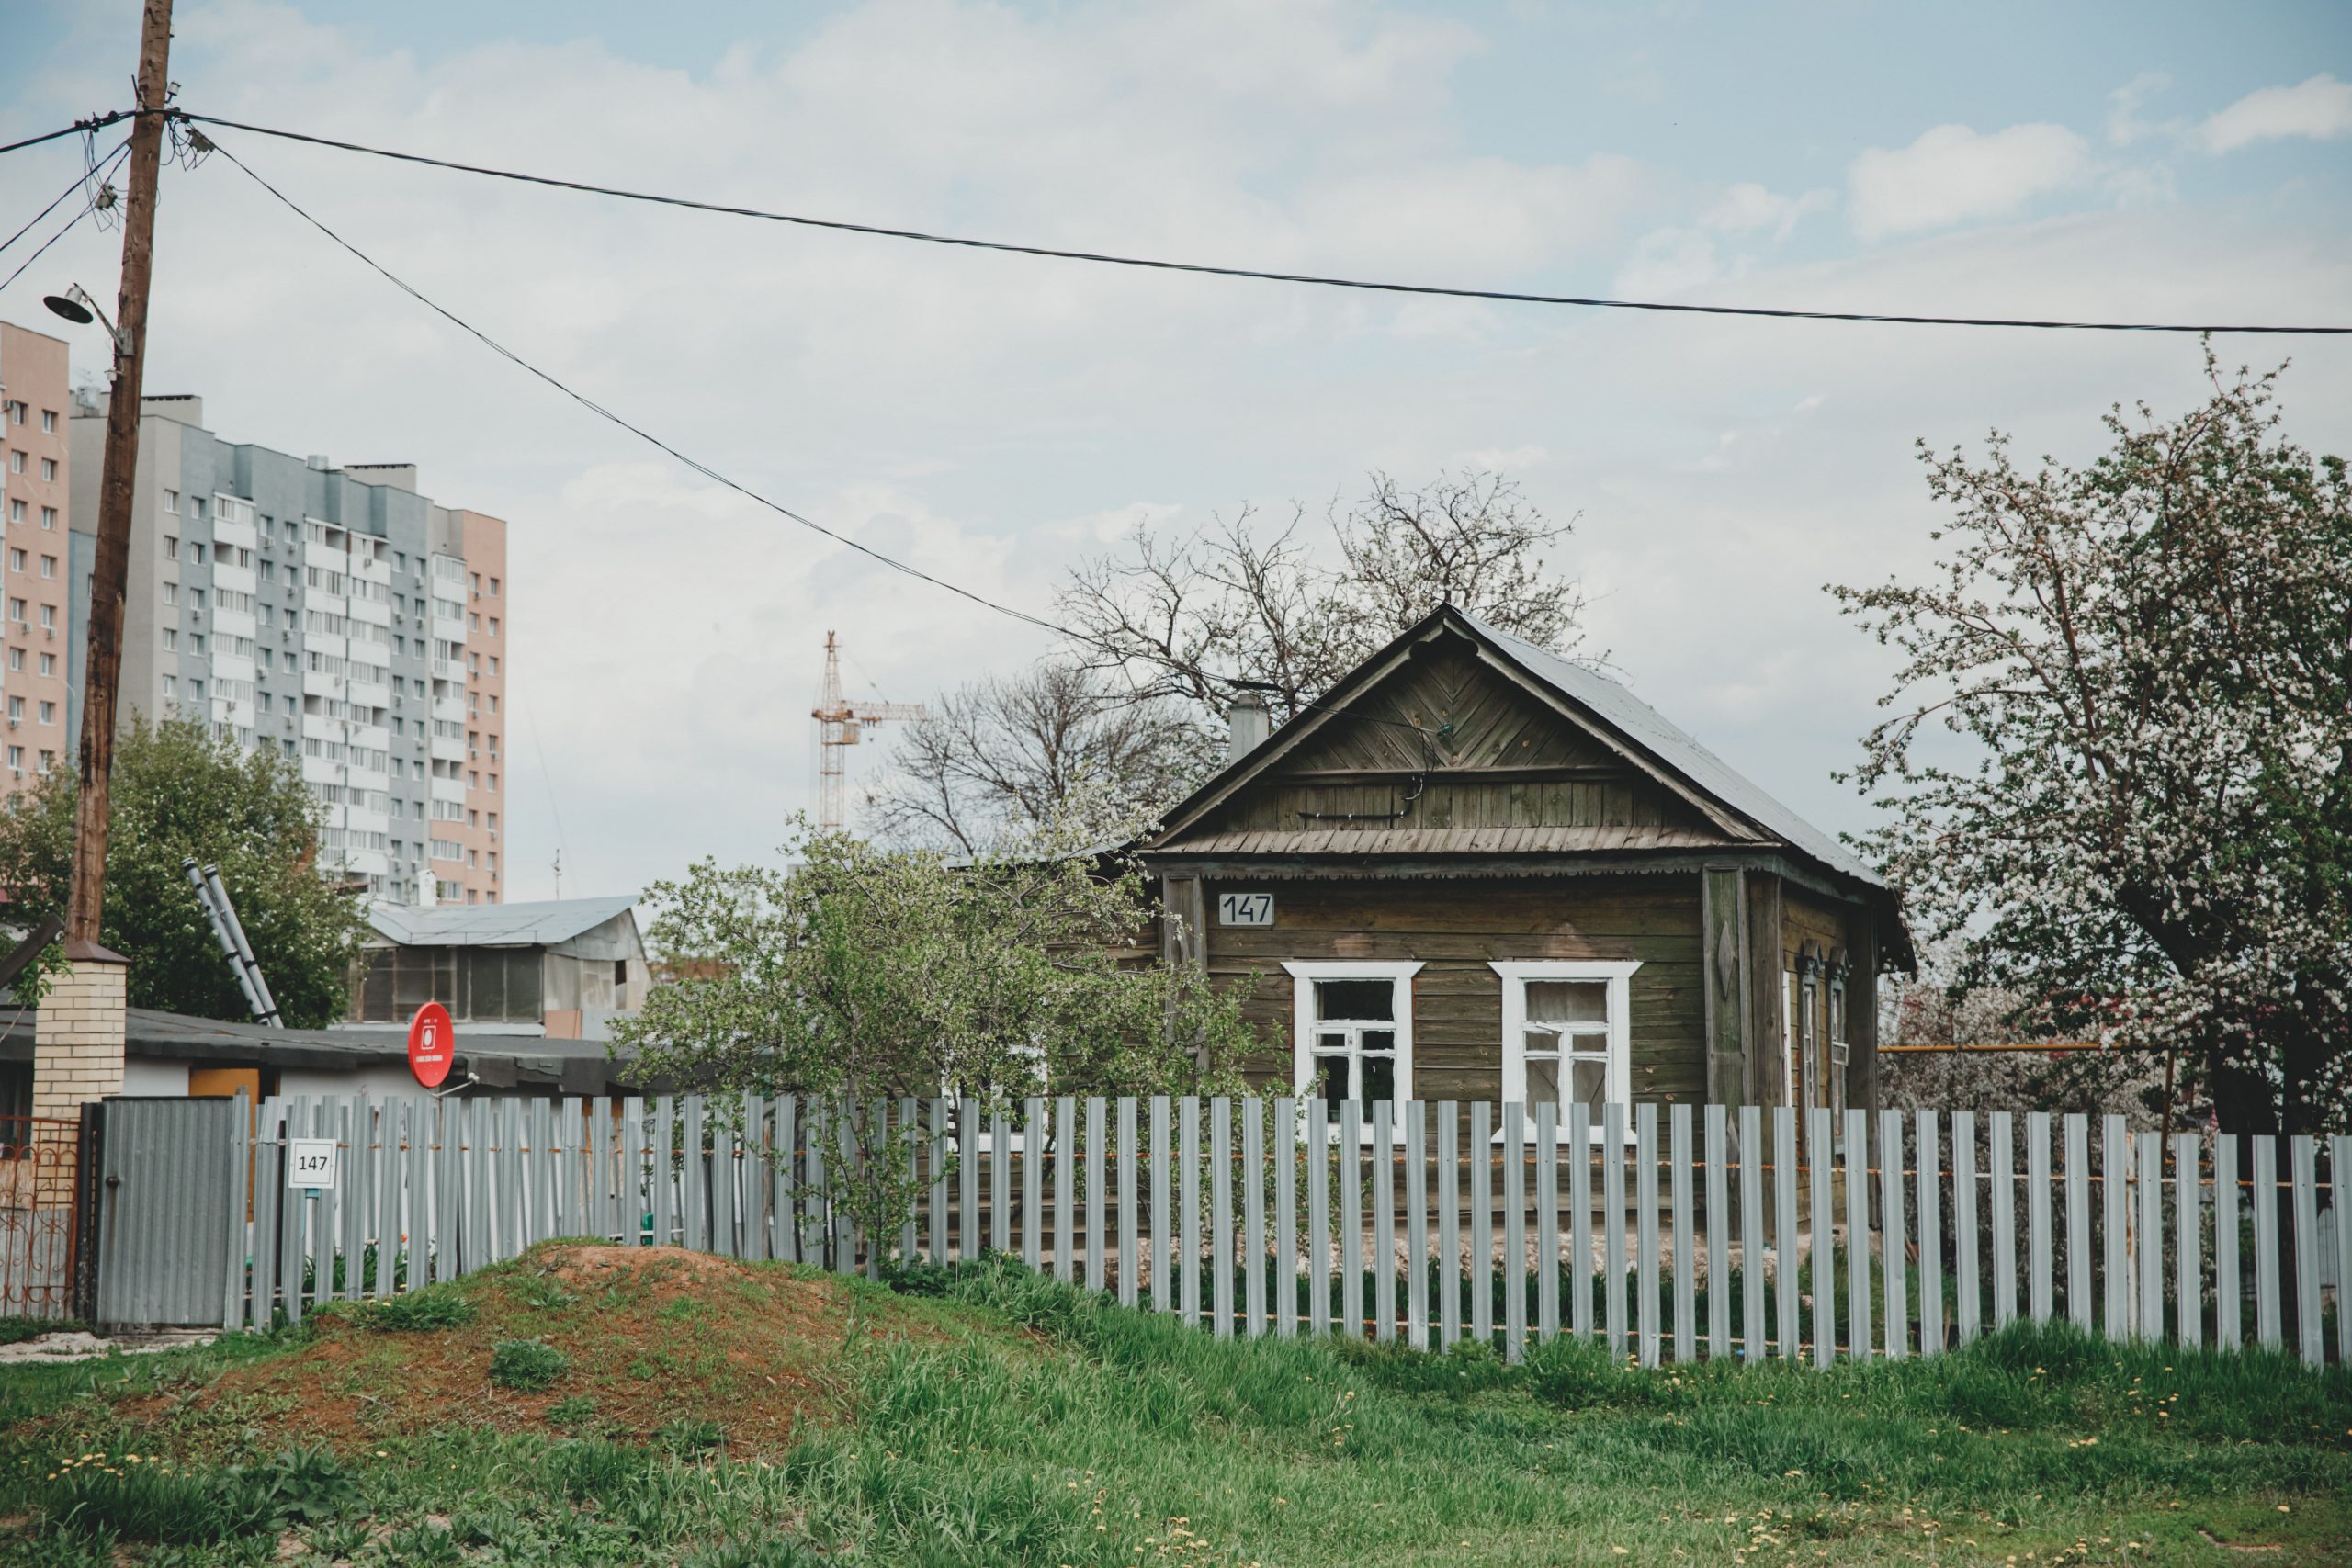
(424, 1311)
(17, 1330)
(526, 1366)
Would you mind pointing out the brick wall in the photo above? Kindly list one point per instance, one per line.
(78, 1035)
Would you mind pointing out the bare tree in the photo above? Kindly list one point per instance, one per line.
(1004, 755)
(1241, 605)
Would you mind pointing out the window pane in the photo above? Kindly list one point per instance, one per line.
(1336, 1040)
(1379, 1078)
(1568, 1001)
(485, 983)
(1589, 1085)
(1543, 1083)
(1363, 999)
(1330, 1083)
(1380, 1040)
(523, 984)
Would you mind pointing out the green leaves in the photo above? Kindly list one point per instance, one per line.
(176, 792)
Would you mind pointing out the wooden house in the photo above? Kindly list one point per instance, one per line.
(1477, 869)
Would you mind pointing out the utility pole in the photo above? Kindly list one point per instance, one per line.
(85, 905)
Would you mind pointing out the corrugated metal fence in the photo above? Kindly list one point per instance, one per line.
(1673, 1232)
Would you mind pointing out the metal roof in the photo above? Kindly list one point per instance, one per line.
(1650, 729)
(495, 925)
(1450, 840)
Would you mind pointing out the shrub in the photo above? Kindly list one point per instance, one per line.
(424, 1311)
(526, 1366)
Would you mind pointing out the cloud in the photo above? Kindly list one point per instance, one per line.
(1952, 175)
(2124, 125)
(1680, 259)
(2319, 109)
(1747, 207)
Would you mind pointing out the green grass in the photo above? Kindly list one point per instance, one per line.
(1105, 1436)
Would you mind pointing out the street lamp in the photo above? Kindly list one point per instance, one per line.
(77, 306)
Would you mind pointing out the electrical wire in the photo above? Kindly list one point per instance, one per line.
(79, 180)
(697, 466)
(96, 122)
(65, 228)
(1318, 280)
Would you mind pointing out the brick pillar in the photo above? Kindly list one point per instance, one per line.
(79, 1032)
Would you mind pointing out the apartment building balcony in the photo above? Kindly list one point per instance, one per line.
(446, 749)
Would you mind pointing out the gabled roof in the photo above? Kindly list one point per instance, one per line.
(1676, 748)
(1615, 715)
(495, 925)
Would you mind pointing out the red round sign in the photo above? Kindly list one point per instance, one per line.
(432, 1044)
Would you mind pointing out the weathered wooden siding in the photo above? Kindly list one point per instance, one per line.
(1454, 928)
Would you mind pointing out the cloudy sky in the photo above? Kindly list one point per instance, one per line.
(994, 419)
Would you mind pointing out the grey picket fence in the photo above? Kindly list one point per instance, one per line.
(1672, 1231)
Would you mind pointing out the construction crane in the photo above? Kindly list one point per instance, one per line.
(838, 722)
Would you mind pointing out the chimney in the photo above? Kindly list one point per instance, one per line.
(1248, 717)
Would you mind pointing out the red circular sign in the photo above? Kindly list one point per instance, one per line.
(432, 1044)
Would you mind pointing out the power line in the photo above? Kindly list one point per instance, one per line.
(96, 122)
(1318, 280)
(717, 477)
(79, 180)
(62, 230)
(638, 431)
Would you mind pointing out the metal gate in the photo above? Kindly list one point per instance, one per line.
(170, 1172)
(40, 1192)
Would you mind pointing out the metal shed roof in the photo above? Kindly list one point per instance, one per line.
(496, 925)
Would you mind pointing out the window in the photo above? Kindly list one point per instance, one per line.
(1567, 1036)
(49, 567)
(15, 710)
(16, 561)
(171, 593)
(477, 579)
(48, 470)
(47, 663)
(171, 688)
(1352, 1040)
(48, 421)
(48, 713)
(16, 758)
(494, 664)
(172, 505)
(17, 659)
(17, 611)
(196, 551)
(49, 616)
(493, 588)
(16, 412)
(493, 626)
(47, 761)
(48, 519)
(171, 547)
(15, 511)
(15, 462)
(171, 640)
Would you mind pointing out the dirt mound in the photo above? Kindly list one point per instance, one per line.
(661, 1345)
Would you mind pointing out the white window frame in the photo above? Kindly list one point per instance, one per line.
(1618, 975)
(1306, 973)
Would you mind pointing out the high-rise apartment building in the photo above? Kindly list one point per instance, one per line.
(35, 484)
(332, 612)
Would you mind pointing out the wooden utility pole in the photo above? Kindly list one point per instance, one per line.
(85, 905)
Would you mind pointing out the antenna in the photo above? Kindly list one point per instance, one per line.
(838, 721)
(558, 872)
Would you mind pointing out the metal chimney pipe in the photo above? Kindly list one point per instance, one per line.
(220, 935)
(267, 1011)
(1249, 725)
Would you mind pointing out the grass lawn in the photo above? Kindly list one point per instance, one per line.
(587, 1405)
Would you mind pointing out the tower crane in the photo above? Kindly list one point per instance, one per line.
(838, 721)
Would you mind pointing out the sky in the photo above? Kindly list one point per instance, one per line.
(998, 419)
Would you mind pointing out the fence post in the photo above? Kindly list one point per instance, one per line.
(1784, 1228)
(1613, 1226)
(2120, 1321)
(2189, 1285)
(2303, 1155)
(1163, 1256)
(2151, 1236)
(1253, 1215)
(1514, 1266)
(1929, 1154)
(1821, 1145)
(1128, 1205)
(1893, 1266)
(2265, 1243)
(2339, 1178)
(1284, 1293)
(1187, 1254)
(1448, 1223)
(1547, 1219)
(1963, 1222)
(1065, 1151)
(2228, 1268)
(1318, 1216)
(1580, 1217)
(1645, 1150)
(1751, 1232)
(1685, 1316)
(1384, 1221)
(1032, 1182)
(1098, 1176)
(1858, 1235)
(1718, 1231)
(2079, 1245)
(1221, 1215)
(1480, 1158)
(1351, 1219)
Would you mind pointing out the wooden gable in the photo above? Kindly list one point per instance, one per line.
(1448, 751)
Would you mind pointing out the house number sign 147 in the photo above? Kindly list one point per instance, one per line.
(1244, 909)
(310, 1163)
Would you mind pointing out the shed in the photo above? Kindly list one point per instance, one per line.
(1475, 869)
(559, 969)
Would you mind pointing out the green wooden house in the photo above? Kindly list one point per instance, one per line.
(1478, 870)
